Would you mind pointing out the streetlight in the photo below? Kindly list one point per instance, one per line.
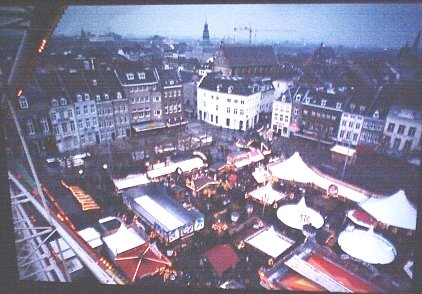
(81, 171)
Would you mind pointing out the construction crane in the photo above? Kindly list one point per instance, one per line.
(249, 29)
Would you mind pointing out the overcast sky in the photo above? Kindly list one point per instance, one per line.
(383, 25)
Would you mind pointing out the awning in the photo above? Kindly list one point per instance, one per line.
(267, 194)
(270, 242)
(142, 127)
(131, 181)
(343, 150)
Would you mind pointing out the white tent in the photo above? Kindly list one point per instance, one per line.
(267, 194)
(270, 242)
(367, 246)
(394, 210)
(295, 169)
(297, 215)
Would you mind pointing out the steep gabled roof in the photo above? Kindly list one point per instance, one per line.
(238, 55)
(239, 86)
(134, 68)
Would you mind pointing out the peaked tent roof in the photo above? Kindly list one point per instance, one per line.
(394, 210)
(295, 169)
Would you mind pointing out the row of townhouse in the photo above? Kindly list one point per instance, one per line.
(69, 110)
(367, 120)
(233, 102)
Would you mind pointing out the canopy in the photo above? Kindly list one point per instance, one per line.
(343, 150)
(394, 210)
(185, 166)
(267, 194)
(270, 242)
(123, 240)
(295, 169)
(131, 181)
(297, 215)
(260, 175)
(367, 246)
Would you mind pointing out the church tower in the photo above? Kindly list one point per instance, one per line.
(206, 33)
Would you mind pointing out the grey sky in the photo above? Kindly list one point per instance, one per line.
(382, 25)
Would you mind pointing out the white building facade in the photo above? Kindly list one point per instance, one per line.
(281, 115)
(231, 103)
(350, 128)
(402, 131)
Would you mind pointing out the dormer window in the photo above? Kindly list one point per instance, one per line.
(338, 105)
(171, 82)
(119, 95)
(106, 96)
(307, 100)
(63, 101)
(86, 97)
(98, 98)
(94, 83)
(79, 97)
(54, 102)
(323, 102)
(141, 75)
(230, 90)
(219, 87)
(23, 102)
(362, 108)
(283, 98)
(352, 106)
(298, 97)
(376, 114)
(130, 76)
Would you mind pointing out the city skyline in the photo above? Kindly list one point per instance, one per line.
(388, 25)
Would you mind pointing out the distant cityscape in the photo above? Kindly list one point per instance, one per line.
(215, 163)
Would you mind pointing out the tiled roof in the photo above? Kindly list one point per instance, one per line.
(127, 68)
(50, 85)
(238, 55)
(222, 257)
(168, 76)
(240, 86)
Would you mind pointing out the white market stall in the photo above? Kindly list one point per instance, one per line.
(367, 246)
(298, 215)
(131, 181)
(270, 242)
(123, 240)
(184, 166)
(267, 194)
(394, 210)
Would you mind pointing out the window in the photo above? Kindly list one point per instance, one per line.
(94, 121)
(72, 126)
(44, 124)
(391, 127)
(79, 98)
(412, 132)
(228, 109)
(296, 111)
(82, 139)
(85, 109)
(179, 107)
(343, 123)
(106, 96)
(98, 98)
(323, 102)
(166, 109)
(64, 128)
(338, 105)
(63, 101)
(119, 95)
(92, 108)
(171, 109)
(219, 87)
(69, 113)
(157, 113)
(86, 97)
(141, 75)
(228, 122)
(147, 99)
(53, 102)
(352, 106)
(342, 134)
(235, 111)
(87, 122)
(242, 102)
(362, 108)
(130, 76)
(401, 129)
(229, 100)
(80, 125)
(216, 107)
(357, 126)
(396, 144)
(56, 130)
(61, 114)
(230, 90)
(94, 82)
(355, 137)
(157, 99)
(350, 124)
(235, 100)
(242, 112)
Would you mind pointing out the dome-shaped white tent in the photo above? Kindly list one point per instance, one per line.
(367, 246)
(297, 215)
